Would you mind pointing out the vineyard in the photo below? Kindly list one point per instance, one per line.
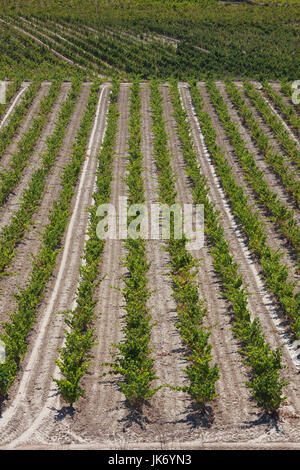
(145, 342)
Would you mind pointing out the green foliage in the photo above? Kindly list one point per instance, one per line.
(190, 309)
(75, 356)
(258, 354)
(16, 330)
(158, 39)
(277, 161)
(132, 357)
(275, 272)
(13, 233)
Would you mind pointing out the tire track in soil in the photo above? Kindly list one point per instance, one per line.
(232, 408)
(31, 114)
(34, 161)
(102, 411)
(268, 313)
(29, 247)
(33, 397)
(275, 238)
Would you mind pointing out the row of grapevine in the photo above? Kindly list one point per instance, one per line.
(122, 53)
(155, 50)
(274, 159)
(31, 58)
(288, 91)
(132, 356)
(190, 308)
(45, 33)
(22, 319)
(281, 133)
(61, 49)
(275, 272)
(284, 217)
(75, 355)
(104, 48)
(12, 89)
(19, 114)
(13, 233)
(265, 384)
(287, 111)
(11, 177)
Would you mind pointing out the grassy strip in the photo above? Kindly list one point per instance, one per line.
(132, 358)
(13, 233)
(190, 309)
(274, 122)
(22, 319)
(275, 160)
(264, 363)
(11, 177)
(75, 356)
(284, 217)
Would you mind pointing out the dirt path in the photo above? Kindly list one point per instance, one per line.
(169, 408)
(261, 304)
(30, 245)
(33, 395)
